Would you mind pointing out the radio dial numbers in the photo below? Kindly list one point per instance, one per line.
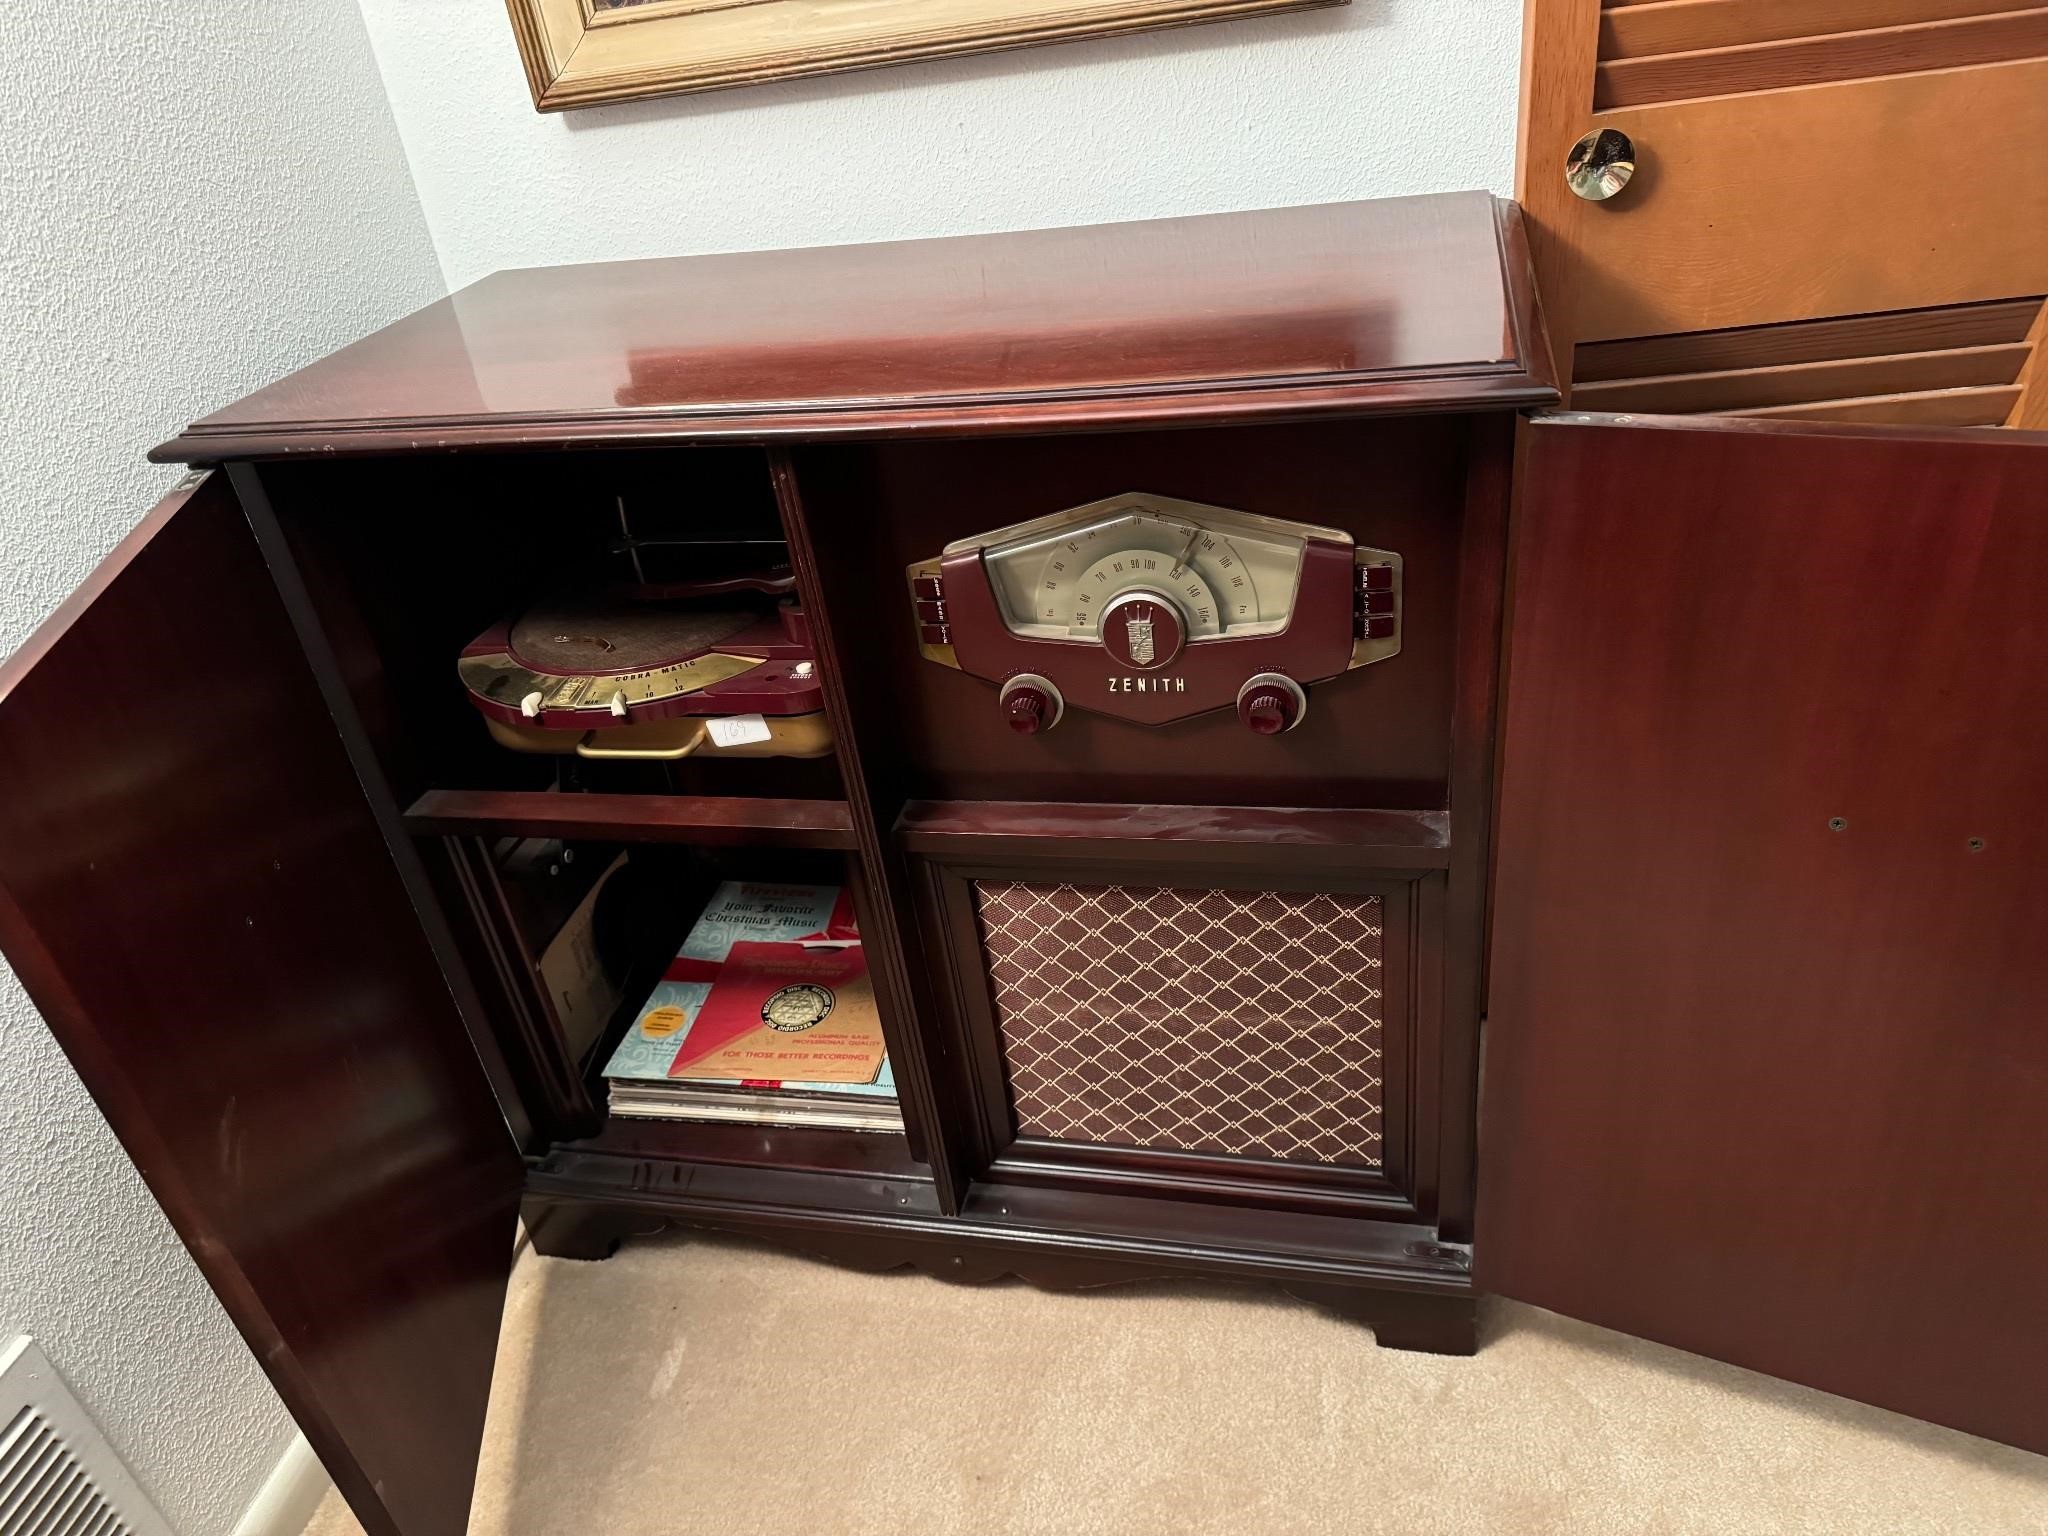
(1224, 581)
(1113, 575)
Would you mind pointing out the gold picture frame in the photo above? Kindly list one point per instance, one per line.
(579, 53)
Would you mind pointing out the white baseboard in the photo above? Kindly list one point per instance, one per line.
(289, 1496)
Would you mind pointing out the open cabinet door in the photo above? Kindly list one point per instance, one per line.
(195, 894)
(1766, 1058)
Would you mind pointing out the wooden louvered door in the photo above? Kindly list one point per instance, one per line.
(1836, 213)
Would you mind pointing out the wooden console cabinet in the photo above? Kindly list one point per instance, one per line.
(1705, 776)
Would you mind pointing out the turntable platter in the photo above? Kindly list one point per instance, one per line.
(645, 676)
(598, 637)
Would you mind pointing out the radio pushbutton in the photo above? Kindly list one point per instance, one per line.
(1270, 703)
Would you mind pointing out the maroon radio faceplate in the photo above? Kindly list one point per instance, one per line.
(1105, 677)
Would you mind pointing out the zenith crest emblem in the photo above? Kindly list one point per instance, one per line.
(1138, 632)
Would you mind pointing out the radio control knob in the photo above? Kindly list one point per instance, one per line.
(1031, 704)
(1026, 711)
(1271, 703)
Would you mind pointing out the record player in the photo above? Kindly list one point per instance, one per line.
(714, 661)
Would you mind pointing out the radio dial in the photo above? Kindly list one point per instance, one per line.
(1031, 704)
(1271, 703)
(1151, 609)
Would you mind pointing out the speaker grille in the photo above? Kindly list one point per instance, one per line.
(1240, 1022)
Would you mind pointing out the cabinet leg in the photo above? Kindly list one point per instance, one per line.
(561, 1229)
(1438, 1325)
(1432, 1325)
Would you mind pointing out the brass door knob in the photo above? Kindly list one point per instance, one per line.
(1600, 164)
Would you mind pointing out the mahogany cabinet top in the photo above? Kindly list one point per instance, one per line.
(1406, 304)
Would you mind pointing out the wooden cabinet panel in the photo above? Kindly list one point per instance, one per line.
(1863, 215)
(1793, 164)
(1764, 1057)
(1764, 1054)
(194, 892)
(1400, 304)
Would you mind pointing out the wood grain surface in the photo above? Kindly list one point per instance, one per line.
(1793, 162)
(1409, 303)
(700, 820)
(1170, 834)
(1860, 54)
(194, 891)
(1764, 1055)
(1375, 737)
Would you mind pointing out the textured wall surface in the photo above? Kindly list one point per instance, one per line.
(1379, 98)
(193, 199)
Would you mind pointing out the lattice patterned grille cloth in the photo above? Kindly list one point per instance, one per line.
(1243, 1022)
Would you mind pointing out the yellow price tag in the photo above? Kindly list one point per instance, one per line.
(663, 1022)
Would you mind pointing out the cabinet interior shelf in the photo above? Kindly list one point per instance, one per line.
(1312, 837)
(705, 820)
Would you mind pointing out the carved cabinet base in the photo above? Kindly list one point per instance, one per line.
(1436, 1320)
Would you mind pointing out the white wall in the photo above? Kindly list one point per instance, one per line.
(1378, 98)
(193, 199)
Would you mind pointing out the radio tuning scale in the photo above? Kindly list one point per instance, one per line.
(1153, 609)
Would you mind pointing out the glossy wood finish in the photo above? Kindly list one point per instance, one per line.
(877, 875)
(1397, 1278)
(865, 406)
(1404, 304)
(700, 820)
(1365, 783)
(494, 953)
(1446, 1073)
(1734, 1052)
(862, 1154)
(1376, 738)
(189, 894)
(1764, 1050)
(343, 666)
(1179, 834)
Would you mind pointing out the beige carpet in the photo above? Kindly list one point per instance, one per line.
(695, 1385)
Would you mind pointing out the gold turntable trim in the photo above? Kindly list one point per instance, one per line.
(667, 741)
(497, 677)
